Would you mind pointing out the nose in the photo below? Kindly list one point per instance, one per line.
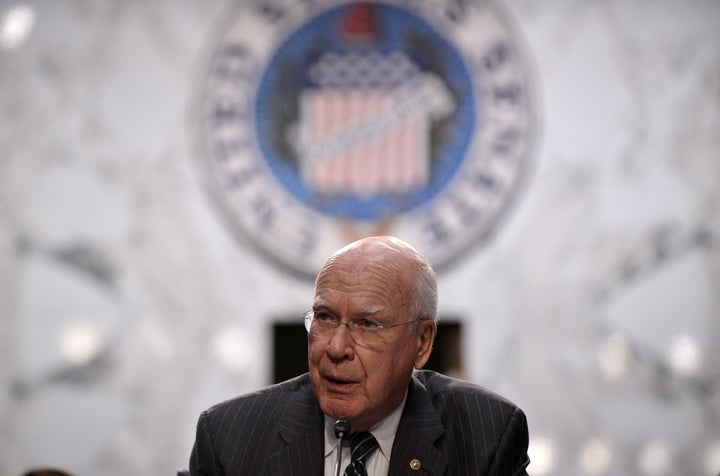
(340, 345)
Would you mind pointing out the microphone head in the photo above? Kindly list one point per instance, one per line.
(342, 428)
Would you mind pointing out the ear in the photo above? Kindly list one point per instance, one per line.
(426, 335)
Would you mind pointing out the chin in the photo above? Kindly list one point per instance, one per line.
(337, 408)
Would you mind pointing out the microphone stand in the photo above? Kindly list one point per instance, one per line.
(342, 429)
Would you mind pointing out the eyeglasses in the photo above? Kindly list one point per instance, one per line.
(365, 332)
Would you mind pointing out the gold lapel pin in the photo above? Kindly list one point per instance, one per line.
(415, 464)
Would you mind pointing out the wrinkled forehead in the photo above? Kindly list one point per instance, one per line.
(363, 288)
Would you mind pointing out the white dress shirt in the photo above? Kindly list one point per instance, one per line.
(378, 464)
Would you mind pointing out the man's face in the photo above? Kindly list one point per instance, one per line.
(365, 383)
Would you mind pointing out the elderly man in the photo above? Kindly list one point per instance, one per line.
(370, 330)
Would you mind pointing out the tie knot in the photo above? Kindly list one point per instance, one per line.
(361, 446)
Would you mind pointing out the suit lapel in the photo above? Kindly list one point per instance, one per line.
(302, 433)
(414, 451)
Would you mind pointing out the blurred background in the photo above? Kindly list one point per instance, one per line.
(134, 294)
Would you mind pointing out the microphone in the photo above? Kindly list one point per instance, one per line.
(342, 429)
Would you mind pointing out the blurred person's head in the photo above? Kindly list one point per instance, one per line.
(46, 472)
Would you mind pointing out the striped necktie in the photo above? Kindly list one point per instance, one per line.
(361, 447)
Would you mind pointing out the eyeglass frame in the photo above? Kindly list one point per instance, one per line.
(309, 316)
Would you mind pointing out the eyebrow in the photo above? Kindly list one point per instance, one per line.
(370, 311)
(366, 311)
(320, 304)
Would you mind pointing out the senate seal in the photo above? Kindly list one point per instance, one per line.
(317, 123)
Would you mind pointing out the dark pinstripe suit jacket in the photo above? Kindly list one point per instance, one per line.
(450, 426)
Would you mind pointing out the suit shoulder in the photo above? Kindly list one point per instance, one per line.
(264, 402)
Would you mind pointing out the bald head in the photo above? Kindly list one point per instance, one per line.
(402, 265)
(374, 320)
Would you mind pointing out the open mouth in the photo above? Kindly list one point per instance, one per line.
(338, 382)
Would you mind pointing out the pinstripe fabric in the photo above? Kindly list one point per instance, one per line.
(448, 427)
(455, 428)
(278, 430)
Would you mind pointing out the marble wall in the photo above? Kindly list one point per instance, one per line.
(127, 306)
